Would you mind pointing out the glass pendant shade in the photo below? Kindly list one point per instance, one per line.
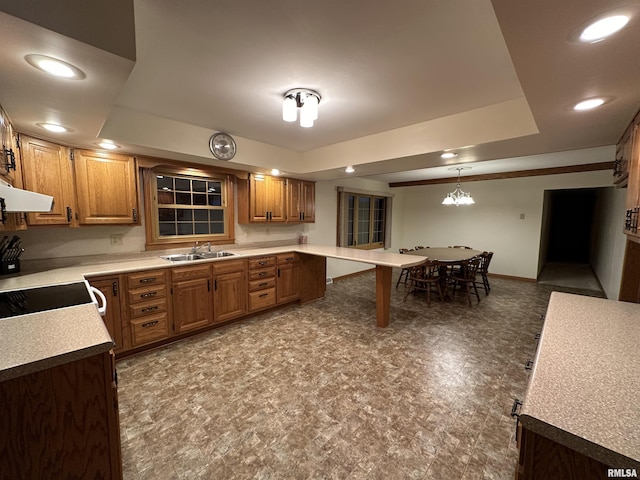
(458, 196)
(289, 109)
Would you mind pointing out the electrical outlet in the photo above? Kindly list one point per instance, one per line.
(117, 239)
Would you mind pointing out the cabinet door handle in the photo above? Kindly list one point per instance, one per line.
(69, 214)
(215, 284)
(150, 309)
(149, 294)
(148, 280)
(149, 324)
(134, 214)
(114, 288)
(208, 285)
(278, 273)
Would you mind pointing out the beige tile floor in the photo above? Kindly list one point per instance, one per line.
(317, 391)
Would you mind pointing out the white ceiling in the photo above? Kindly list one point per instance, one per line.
(400, 81)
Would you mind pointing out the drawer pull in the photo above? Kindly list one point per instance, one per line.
(262, 262)
(289, 259)
(149, 324)
(264, 295)
(262, 274)
(263, 284)
(148, 294)
(148, 280)
(150, 309)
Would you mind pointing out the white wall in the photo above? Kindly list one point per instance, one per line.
(609, 240)
(493, 223)
(325, 230)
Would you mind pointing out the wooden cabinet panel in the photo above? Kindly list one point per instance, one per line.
(187, 273)
(260, 262)
(46, 168)
(62, 422)
(106, 188)
(191, 304)
(300, 201)
(288, 278)
(146, 278)
(229, 296)
(262, 299)
(110, 287)
(261, 284)
(146, 308)
(266, 197)
(149, 328)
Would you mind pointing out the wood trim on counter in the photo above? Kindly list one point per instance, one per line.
(588, 167)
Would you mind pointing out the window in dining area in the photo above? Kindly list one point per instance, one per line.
(364, 219)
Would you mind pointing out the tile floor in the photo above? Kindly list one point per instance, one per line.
(317, 391)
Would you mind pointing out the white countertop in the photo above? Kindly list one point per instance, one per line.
(33, 342)
(583, 391)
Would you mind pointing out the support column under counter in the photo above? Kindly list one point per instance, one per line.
(580, 416)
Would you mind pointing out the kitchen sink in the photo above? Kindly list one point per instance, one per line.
(185, 257)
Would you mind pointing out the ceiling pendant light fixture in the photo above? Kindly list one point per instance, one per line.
(458, 197)
(304, 99)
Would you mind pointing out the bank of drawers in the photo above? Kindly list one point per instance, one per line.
(262, 283)
(147, 304)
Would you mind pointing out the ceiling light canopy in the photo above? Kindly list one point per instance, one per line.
(350, 169)
(448, 155)
(53, 66)
(458, 197)
(304, 99)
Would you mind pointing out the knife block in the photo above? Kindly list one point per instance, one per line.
(9, 266)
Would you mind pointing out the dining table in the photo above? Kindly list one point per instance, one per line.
(446, 257)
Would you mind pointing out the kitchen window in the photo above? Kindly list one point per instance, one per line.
(364, 219)
(188, 207)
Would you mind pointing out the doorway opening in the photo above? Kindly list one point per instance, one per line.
(569, 219)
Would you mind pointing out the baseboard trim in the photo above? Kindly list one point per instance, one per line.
(511, 277)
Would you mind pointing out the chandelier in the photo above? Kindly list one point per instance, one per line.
(304, 99)
(458, 197)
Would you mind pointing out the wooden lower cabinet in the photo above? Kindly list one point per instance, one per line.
(147, 308)
(110, 287)
(287, 278)
(541, 458)
(62, 422)
(191, 297)
(229, 290)
(262, 283)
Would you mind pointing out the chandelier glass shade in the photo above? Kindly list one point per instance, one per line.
(306, 101)
(458, 196)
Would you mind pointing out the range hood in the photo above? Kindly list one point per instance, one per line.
(18, 200)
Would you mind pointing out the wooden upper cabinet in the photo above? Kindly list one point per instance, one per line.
(107, 188)
(275, 199)
(301, 201)
(263, 199)
(46, 168)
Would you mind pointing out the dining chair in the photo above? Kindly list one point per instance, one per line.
(420, 247)
(424, 277)
(483, 270)
(466, 277)
(461, 246)
(404, 273)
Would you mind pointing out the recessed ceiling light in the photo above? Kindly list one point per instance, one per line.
(109, 145)
(588, 104)
(448, 155)
(349, 169)
(55, 67)
(275, 171)
(603, 27)
(54, 127)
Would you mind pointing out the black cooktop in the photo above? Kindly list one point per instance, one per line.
(32, 300)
